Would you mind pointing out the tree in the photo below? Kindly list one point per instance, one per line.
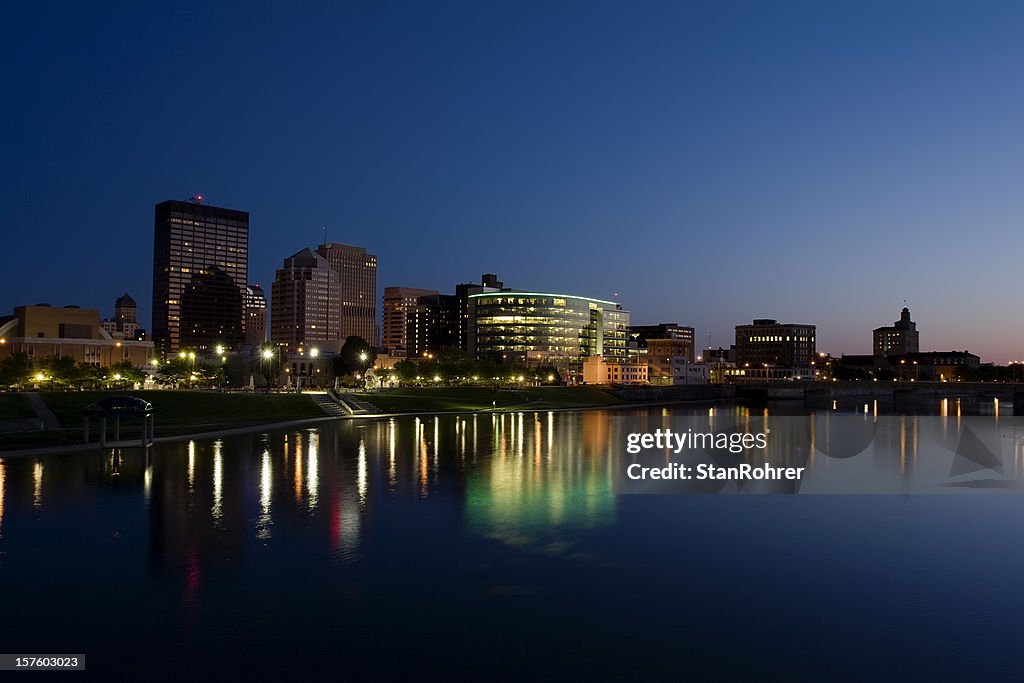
(356, 355)
(15, 369)
(406, 371)
(59, 371)
(90, 375)
(127, 372)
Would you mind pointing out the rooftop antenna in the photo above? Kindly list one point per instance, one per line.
(325, 235)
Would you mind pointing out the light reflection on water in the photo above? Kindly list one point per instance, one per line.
(329, 520)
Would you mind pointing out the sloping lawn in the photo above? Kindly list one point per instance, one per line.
(431, 399)
(13, 406)
(193, 409)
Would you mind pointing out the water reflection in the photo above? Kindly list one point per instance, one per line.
(37, 485)
(263, 522)
(3, 492)
(362, 473)
(532, 480)
(216, 509)
(191, 467)
(312, 472)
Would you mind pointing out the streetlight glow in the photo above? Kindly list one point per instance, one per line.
(267, 354)
(220, 349)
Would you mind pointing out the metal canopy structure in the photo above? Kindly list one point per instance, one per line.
(117, 407)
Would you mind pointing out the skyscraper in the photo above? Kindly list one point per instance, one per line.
(255, 315)
(357, 282)
(303, 304)
(432, 325)
(125, 322)
(399, 306)
(488, 283)
(200, 269)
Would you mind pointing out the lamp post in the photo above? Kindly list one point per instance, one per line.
(267, 356)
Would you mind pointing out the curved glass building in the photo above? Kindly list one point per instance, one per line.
(537, 328)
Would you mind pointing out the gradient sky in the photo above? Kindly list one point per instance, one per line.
(713, 162)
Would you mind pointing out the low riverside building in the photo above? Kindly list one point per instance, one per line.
(45, 331)
(932, 365)
(748, 374)
(778, 345)
(597, 370)
(680, 336)
(676, 370)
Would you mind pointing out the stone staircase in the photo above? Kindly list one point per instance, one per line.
(329, 405)
(353, 404)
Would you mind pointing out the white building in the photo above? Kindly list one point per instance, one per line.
(597, 370)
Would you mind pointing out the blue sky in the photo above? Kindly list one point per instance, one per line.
(712, 162)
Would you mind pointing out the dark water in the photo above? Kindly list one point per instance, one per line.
(493, 548)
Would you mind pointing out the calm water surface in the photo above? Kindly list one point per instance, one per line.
(493, 547)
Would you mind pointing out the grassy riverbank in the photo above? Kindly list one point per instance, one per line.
(187, 412)
(431, 399)
(175, 412)
(14, 406)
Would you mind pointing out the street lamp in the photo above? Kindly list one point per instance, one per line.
(268, 356)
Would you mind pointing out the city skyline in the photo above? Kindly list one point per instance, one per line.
(803, 163)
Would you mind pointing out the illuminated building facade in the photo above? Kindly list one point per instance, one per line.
(535, 328)
(357, 289)
(399, 306)
(489, 282)
(597, 370)
(680, 335)
(303, 304)
(44, 331)
(200, 269)
(255, 315)
(769, 343)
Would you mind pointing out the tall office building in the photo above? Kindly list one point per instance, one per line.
(357, 282)
(255, 315)
(125, 322)
(488, 283)
(432, 325)
(200, 270)
(303, 304)
(399, 304)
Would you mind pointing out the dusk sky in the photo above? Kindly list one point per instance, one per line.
(715, 162)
